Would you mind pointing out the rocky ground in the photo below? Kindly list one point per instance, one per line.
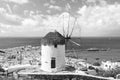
(20, 55)
(79, 60)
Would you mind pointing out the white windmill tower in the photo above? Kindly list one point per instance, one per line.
(53, 50)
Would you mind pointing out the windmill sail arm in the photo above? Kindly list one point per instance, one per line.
(68, 25)
(63, 32)
(71, 31)
(63, 27)
(75, 43)
(73, 27)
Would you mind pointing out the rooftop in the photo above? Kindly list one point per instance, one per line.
(53, 38)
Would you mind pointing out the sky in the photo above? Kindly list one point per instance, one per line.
(35, 18)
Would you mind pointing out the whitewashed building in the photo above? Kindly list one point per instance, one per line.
(53, 52)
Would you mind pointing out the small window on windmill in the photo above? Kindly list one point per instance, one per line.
(55, 45)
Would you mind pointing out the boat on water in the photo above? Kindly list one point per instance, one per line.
(97, 49)
(93, 49)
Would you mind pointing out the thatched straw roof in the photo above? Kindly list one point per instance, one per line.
(53, 38)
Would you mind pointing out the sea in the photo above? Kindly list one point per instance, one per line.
(85, 42)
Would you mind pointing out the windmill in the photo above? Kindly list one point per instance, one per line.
(53, 48)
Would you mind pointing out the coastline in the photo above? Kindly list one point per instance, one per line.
(89, 56)
(31, 55)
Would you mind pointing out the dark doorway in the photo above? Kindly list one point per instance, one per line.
(53, 62)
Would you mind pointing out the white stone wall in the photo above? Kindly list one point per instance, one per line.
(49, 51)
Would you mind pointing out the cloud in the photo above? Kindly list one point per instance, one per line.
(55, 7)
(18, 1)
(26, 12)
(8, 18)
(46, 4)
(13, 17)
(57, 22)
(26, 29)
(91, 1)
(67, 7)
(9, 8)
(96, 2)
(30, 22)
(6, 29)
(48, 11)
(31, 13)
(2, 11)
(52, 1)
(100, 20)
(40, 23)
(74, 0)
(34, 25)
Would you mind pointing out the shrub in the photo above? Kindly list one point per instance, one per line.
(91, 68)
(11, 57)
(109, 73)
(69, 68)
(96, 64)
